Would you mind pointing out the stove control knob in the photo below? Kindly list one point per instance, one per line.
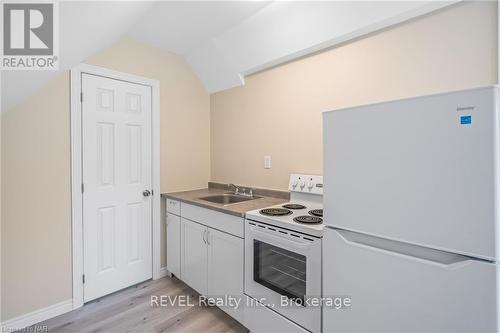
(295, 182)
(310, 185)
(302, 183)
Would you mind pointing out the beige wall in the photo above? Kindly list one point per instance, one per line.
(278, 112)
(36, 219)
(36, 240)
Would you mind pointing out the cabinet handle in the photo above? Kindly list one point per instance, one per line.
(208, 237)
(204, 233)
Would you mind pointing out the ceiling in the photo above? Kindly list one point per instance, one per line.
(222, 40)
(180, 26)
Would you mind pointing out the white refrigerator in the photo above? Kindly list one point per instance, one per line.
(411, 203)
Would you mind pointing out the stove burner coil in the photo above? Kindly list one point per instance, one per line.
(275, 211)
(294, 206)
(316, 212)
(307, 219)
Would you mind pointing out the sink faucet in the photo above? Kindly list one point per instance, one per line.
(241, 190)
(236, 188)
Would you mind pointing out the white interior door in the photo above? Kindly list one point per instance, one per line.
(117, 219)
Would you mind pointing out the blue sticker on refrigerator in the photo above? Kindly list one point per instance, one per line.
(465, 120)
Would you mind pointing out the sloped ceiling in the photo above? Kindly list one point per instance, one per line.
(86, 27)
(222, 40)
(287, 30)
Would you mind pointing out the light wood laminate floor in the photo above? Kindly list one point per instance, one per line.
(130, 310)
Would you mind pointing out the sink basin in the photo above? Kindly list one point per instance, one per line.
(227, 199)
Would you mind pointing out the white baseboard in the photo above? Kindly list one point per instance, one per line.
(51, 311)
(36, 316)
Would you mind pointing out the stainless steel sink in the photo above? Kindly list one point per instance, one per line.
(227, 199)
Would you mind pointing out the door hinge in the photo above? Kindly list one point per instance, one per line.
(81, 97)
(83, 278)
(83, 188)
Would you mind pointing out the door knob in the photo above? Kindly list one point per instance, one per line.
(146, 193)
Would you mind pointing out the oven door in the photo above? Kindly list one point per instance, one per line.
(282, 271)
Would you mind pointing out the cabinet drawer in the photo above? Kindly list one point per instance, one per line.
(173, 206)
(258, 318)
(228, 223)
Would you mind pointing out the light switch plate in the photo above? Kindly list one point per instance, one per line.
(267, 162)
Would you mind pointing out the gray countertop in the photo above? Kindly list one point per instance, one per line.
(237, 209)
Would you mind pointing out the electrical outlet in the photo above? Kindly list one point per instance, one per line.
(267, 162)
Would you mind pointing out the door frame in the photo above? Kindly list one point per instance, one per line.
(76, 170)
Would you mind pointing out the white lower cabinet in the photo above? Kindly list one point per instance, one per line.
(174, 244)
(212, 260)
(194, 256)
(225, 270)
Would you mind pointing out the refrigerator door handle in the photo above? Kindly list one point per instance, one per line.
(439, 257)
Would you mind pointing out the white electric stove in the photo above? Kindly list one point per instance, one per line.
(304, 212)
(283, 257)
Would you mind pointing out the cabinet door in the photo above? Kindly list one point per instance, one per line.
(225, 268)
(194, 256)
(174, 244)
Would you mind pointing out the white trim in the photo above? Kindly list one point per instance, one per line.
(165, 272)
(155, 129)
(37, 316)
(76, 194)
(76, 170)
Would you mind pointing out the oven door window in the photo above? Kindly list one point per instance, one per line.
(280, 270)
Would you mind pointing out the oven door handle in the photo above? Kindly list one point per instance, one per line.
(281, 240)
